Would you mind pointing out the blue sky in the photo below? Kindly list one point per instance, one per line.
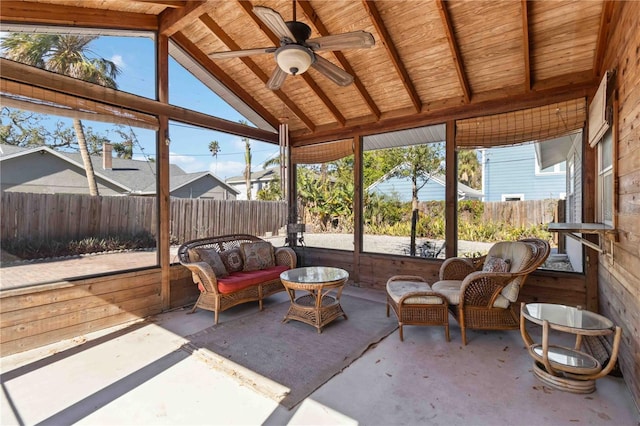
(189, 145)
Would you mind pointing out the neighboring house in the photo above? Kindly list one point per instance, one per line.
(568, 150)
(46, 171)
(259, 180)
(434, 189)
(514, 173)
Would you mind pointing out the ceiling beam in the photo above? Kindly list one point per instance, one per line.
(455, 50)
(207, 63)
(56, 14)
(250, 63)
(39, 78)
(385, 37)
(49, 102)
(603, 31)
(166, 3)
(248, 7)
(525, 45)
(174, 20)
(322, 30)
(444, 113)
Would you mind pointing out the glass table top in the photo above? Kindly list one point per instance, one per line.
(314, 275)
(568, 357)
(566, 316)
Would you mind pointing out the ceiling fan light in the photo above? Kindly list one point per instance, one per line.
(294, 59)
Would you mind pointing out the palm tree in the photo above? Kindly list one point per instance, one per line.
(69, 55)
(214, 149)
(469, 169)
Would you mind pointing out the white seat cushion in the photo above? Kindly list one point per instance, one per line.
(397, 289)
(449, 289)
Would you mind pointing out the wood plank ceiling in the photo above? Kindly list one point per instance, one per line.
(433, 60)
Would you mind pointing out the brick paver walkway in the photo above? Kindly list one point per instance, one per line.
(40, 272)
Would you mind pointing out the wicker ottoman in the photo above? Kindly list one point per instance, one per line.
(414, 303)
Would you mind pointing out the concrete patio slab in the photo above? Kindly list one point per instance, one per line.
(140, 375)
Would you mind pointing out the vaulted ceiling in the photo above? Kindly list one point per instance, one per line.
(433, 60)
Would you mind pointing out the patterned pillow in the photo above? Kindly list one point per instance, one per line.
(496, 264)
(232, 260)
(211, 257)
(257, 256)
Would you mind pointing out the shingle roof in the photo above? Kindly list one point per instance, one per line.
(260, 175)
(135, 175)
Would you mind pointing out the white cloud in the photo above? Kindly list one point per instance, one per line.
(187, 163)
(119, 61)
(226, 169)
(222, 169)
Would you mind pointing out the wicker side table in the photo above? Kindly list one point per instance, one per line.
(321, 302)
(567, 369)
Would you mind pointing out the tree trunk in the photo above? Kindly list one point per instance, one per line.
(414, 216)
(247, 180)
(86, 159)
(247, 168)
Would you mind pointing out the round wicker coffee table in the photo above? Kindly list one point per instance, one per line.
(563, 368)
(322, 287)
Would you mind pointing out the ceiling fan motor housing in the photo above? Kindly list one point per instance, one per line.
(300, 31)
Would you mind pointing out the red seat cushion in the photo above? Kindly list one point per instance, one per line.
(239, 280)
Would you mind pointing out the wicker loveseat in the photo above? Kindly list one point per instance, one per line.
(234, 269)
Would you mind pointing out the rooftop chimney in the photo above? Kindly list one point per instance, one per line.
(107, 159)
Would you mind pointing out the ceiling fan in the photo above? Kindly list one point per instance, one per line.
(297, 52)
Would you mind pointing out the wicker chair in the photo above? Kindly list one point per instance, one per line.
(485, 300)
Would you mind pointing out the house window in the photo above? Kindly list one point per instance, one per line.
(560, 168)
(512, 197)
(605, 178)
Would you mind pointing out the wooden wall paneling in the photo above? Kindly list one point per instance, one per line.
(26, 318)
(32, 342)
(314, 256)
(183, 290)
(94, 310)
(375, 269)
(614, 304)
(618, 279)
(562, 288)
(35, 317)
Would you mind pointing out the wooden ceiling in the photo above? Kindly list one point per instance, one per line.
(433, 60)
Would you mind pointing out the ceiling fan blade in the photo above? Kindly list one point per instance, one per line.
(352, 40)
(274, 21)
(332, 72)
(277, 78)
(241, 53)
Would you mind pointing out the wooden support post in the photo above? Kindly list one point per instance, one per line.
(358, 227)
(162, 184)
(451, 192)
(588, 211)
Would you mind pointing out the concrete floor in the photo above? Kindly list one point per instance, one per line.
(139, 375)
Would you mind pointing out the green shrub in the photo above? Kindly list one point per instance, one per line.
(39, 249)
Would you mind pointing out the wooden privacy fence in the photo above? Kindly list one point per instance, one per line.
(75, 216)
(521, 213)
(191, 219)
